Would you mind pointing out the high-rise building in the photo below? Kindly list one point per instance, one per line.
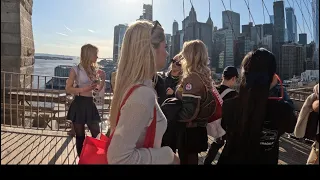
(197, 30)
(229, 55)
(219, 43)
(257, 34)
(291, 24)
(279, 21)
(231, 20)
(175, 27)
(293, 59)
(246, 29)
(118, 36)
(244, 47)
(272, 19)
(147, 12)
(303, 39)
(267, 42)
(267, 29)
(279, 32)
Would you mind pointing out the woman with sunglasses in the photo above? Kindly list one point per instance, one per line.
(173, 77)
(143, 53)
(254, 120)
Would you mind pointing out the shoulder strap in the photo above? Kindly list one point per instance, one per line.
(126, 98)
(225, 92)
(151, 131)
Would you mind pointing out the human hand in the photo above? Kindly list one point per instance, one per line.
(170, 91)
(89, 88)
(176, 160)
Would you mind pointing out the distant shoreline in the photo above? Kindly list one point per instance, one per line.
(52, 58)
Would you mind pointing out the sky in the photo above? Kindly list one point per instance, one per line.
(63, 26)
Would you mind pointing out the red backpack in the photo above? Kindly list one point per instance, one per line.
(219, 101)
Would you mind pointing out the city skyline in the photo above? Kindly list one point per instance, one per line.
(70, 24)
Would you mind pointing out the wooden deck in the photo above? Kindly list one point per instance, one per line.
(26, 146)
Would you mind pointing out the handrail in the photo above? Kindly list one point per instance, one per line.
(39, 106)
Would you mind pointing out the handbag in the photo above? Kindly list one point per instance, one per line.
(95, 150)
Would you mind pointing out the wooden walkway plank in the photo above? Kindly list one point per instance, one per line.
(71, 154)
(5, 136)
(39, 147)
(75, 154)
(42, 158)
(8, 138)
(65, 154)
(59, 151)
(24, 152)
(30, 149)
(53, 150)
(18, 149)
(7, 148)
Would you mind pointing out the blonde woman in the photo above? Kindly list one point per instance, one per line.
(197, 102)
(87, 78)
(143, 52)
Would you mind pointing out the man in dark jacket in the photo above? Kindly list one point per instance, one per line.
(229, 79)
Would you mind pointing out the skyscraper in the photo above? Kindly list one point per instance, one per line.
(267, 29)
(272, 19)
(175, 27)
(291, 24)
(279, 21)
(231, 20)
(147, 12)
(118, 36)
(303, 39)
(279, 32)
(246, 29)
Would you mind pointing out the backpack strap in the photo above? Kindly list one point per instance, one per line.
(225, 92)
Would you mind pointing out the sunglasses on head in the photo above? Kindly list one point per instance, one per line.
(155, 25)
(177, 63)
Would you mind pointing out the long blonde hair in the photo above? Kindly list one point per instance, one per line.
(87, 53)
(195, 55)
(136, 62)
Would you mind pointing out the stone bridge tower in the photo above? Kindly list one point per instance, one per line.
(17, 45)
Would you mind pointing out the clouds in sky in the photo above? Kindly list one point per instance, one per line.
(62, 34)
(68, 28)
(92, 31)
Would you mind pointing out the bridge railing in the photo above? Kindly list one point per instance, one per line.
(42, 104)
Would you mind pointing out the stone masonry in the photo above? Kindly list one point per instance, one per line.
(17, 45)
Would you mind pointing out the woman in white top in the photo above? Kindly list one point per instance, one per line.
(83, 110)
(143, 52)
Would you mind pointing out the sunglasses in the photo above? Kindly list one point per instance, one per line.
(177, 63)
(155, 25)
(281, 88)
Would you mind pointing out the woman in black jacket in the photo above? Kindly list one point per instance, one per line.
(173, 77)
(254, 120)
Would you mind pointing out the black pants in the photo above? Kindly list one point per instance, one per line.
(80, 134)
(213, 151)
(188, 158)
